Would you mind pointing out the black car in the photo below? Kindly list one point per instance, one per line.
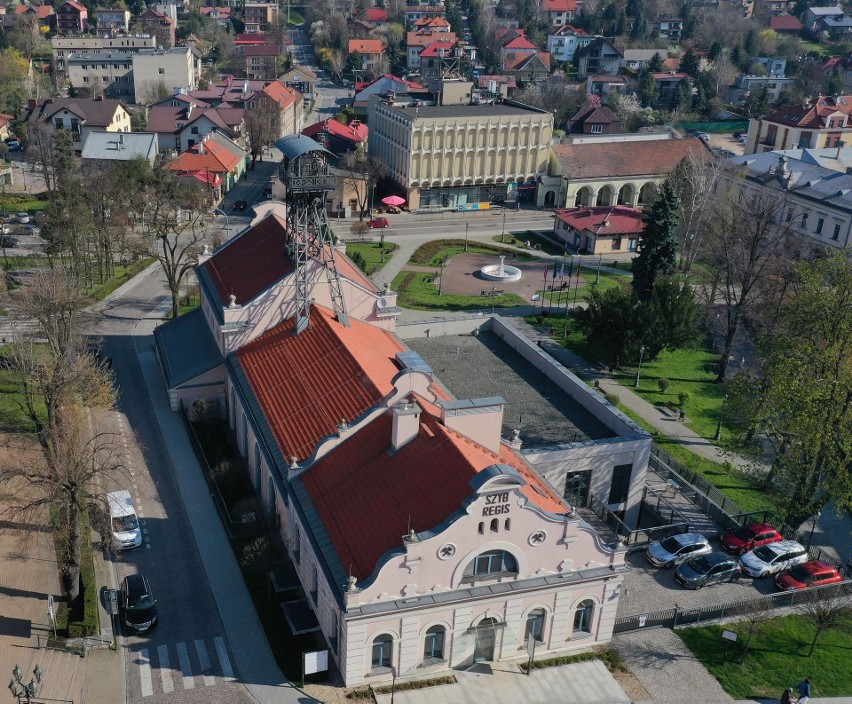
(239, 205)
(708, 569)
(137, 603)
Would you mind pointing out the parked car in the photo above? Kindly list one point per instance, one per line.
(5, 229)
(703, 136)
(137, 603)
(379, 222)
(676, 549)
(14, 146)
(239, 205)
(39, 216)
(7, 241)
(692, 132)
(23, 218)
(740, 136)
(714, 568)
(809, 574)
(727, 153)
(745, 538)
(773, 558)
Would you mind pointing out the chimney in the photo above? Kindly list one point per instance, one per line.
(479, 419)
(406, 423)
(245, 86)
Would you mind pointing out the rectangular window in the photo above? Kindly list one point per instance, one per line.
(161, 71)
(597, 129)
(836, 234)
(804, 220)
(789, 215)
(820, 223)
(620, 483)
(194, 129)
(616, 243)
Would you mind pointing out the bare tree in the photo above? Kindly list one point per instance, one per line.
(152, 92)
(825, 610)
(263, 125)
(40, 136)
(361, 173)
(755, 613)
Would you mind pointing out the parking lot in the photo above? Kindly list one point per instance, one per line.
(650, 588)
(20, 239)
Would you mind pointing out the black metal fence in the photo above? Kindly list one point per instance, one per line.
(635, 538)
(680, 616)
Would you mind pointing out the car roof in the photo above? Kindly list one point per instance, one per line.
(760, 527)
(783, 545)
(817, 566)
(717, 558)
(690, 538)
(136, 584)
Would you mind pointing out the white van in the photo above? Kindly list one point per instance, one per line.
(124, 524)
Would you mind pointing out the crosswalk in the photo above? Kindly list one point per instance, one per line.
(183, 665)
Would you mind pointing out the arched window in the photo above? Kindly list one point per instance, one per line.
(492, 562)
(481, 527)
(382, 651)
(507, 523)
(433, 647)
(495, 525)
(535, 625)
(583, 616)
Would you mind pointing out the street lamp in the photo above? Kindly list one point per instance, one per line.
(718, 435)
(639, 368)
(502, 234)
(227, 223)
(813, 527)
(19, 689)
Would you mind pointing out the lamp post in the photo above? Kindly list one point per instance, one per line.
(639, 368)
(503, 234)
(466, 226)
(227, 223)
(813, 527)
(718, 435)
(21, 691)
(598, 275)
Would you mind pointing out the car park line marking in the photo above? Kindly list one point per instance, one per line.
(222, 654)
(185, 667)
(204, 661)
(145, 673)
(165, 669)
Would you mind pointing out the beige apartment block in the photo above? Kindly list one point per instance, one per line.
(175, 69)
(453, 155)
(64, 46)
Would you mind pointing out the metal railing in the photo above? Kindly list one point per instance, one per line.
(634, 538)
(681, 616)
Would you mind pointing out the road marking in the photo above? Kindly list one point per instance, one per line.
(165, 669)
(145, 673)
(185, 668)
(222, 654)
(204, 661)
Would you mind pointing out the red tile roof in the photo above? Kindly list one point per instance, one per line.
(207, 155)
(616, 220)
(355, 131)
(567, 29)
(260, 50)
(426, 38)
(435, 49)
(609, 159)
(672, 76)
(811, 115)
(520, 43)
(251, 263)
(43, 11)
(305, 384)
(377, 14)
(524, 62)
(559, 5)
(785, 23)
(366, 46)
(252, 38)
(420, 486)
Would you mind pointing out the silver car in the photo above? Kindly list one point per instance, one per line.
(677, 549)
(773, 558)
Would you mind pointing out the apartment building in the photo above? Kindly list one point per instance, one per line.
(111, 21)
(63, 47)
(72, 18)
(80, 116)
(175, 69)
(108, 74)
(565, 41)
(260, 17)
(160, 25)
(455, 153)
(261, 61)
(823, 122)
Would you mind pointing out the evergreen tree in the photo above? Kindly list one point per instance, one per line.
(640, 27)
(750, 43)
(609, 321)
(655, 64)
(699, 99)
(682, 96)
(635, 8)
(658, 244)
(715, 51)
(648, 90)
(689, 63)
(668, 320)
(737, 56)
(621, 24)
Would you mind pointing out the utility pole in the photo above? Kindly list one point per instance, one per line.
(466, 226)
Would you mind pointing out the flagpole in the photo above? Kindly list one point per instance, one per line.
(577, 284)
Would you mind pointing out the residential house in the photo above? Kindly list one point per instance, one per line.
(814, 186)
(746, 85)
(381, 86)
(770, 8)
(167, 8)
(371, 51)
(559, 12)
(261, 61)
(665, 85)
(823, 122)
(418, 40)
(615, 172)
(72, 17)
(503, 86)
(180, 122)
(840, 66)
(814, 15)
(287, 104)
(637, 59)
(785, 24)
(104, 148)
(111, 21)
(301, 78)
(177, 69)
(206, 160)
(45, 13)
(220, 15)
(515, 45)
(594, 119)
(65, 46)
(835, 27)
(107, 74)
(669, 28)
(6, 122)
(599, 230)
(598, 57)
(434, 58)
(776, 67)
(419, 12)
(160, 25)
(338, 137)
(605, 85)
(376, 16)
(565, 41)
(80, 116)
(260, 17)
(438, 155)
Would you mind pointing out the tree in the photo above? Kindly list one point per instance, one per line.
(655, 63)
(361, 173)
(647, 91)
(608, 321)
(755, 613)
(657, 243)
(354, 62)
(262, 125)
(826, 611)
(681, 97)
(640, 27)
(689, 63)
(756, 102)
(800, 399)
(668, 320)
(695, 180)
(173, 219)
(14, 69)
(151, 92)
(715, 51)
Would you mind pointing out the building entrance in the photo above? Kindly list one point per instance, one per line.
(486, 640)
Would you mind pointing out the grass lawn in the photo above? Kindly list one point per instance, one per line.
(122, 275)
(520, 239)
(812, 47)
(606, 281)
(416, 290)
(24, 204)
(777, 658)
(432, 253)
(10, 263)
(12, 414)
(372, 253)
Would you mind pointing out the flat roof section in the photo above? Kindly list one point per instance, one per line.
(474, 367)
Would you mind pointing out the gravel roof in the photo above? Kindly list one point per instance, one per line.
(482, 366)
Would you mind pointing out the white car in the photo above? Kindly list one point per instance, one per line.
(677, 549)
(23, 218)
(773, 558)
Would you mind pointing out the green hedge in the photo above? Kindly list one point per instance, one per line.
(715, 127)
(89, 625)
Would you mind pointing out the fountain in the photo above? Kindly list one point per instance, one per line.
(500, 272)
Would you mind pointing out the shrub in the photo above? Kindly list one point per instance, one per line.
(612, 398)
(663, 385)
(683, 398)
(88, 625)
(359, 228)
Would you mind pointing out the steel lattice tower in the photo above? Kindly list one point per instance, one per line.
(306, 175)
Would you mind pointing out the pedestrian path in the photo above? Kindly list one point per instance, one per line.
(163, 669)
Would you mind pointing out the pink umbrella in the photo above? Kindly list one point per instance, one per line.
(393, 200)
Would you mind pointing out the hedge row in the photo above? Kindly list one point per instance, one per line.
(427, 252)
(90, 624)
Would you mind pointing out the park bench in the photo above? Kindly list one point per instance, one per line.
(493, 293)
(677, 410)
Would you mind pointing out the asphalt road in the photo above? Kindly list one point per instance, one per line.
(185, 658)
(329, 97)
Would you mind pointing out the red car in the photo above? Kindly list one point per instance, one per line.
(808, 574)
(745, 538)
(379, 222)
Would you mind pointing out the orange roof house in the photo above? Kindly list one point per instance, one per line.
(366, 47)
